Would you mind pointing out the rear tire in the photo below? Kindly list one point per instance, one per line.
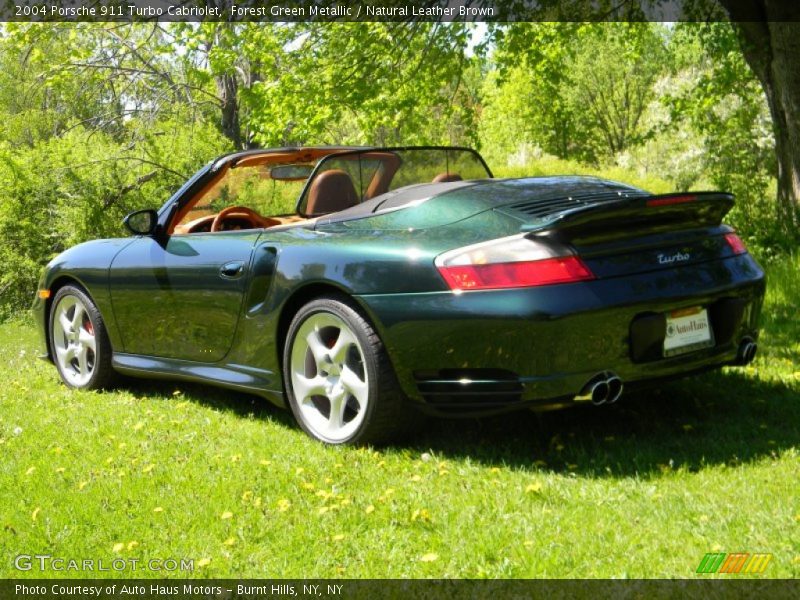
(338, 378)
(79, 341)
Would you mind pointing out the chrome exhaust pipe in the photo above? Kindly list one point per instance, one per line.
(599, 393)
(602, 388)
(614, 389)
(747, 351)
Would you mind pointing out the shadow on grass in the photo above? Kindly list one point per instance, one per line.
(239, 403)
(712, 419)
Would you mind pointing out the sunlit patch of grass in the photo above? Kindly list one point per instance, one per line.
(643, 488)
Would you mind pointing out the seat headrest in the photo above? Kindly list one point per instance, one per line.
(447, 177)
(331, 192)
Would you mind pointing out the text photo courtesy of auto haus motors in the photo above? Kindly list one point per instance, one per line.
(408, 282)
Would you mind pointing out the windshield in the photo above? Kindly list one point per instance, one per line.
(344, 180)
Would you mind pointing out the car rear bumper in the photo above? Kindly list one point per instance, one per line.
(491, 351)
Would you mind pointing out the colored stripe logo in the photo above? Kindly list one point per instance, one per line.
(736, 562)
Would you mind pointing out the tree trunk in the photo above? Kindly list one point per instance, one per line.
(227, 90)
(771, 47)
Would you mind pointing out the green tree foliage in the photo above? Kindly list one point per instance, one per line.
(718, 96)
(577, 90)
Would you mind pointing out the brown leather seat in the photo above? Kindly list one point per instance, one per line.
(331, 192)
(447, 177)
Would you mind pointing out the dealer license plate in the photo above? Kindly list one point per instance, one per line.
(687, 330)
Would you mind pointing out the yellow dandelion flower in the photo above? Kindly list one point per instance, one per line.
(35, 513)
(533, 488)
(299, 470)
(138, 426)
(226, 515)
(236, 457)
(57, 450)
(323, 509)
(122, 446)
(246, 495)
(109, 460)
(132, 544)
(429, 557)
(60, 470)
(265, 463)
(284, 504)
(559, 447)
(230, 541)
(797, 517)
(369, 509)
(328, 480)
(421, 514)
(148, 468)
(177, 393)
(307, 485)
(344, 501)
(82, 484)
(158, 509)
(443, 472)
(338, 537)
(30, 471)
(340, 569)
(257, 502)
(118, 547)
(338, 466)
(687, 427)
(494, 470)
(716, 548)
(203, 562)
(382, 463)
(416, 478)
(527, 543)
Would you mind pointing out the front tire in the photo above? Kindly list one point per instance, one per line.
(79, 343)
(341, 386)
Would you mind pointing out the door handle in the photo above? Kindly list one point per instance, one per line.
(232, 270)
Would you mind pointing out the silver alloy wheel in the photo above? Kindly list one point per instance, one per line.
(74, 341)
(329, 377)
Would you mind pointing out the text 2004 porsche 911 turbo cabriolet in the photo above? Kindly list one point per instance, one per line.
(407, 279)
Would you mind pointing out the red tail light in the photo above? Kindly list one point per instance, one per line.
(736, 244)
(516, 274)
(671, 200)
(510, 263)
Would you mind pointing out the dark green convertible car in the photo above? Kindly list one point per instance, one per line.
(405, 280)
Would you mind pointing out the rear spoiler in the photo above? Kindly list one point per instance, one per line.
(648, 214)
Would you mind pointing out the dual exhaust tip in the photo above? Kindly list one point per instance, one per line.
(603, 388)
(606, 387)
(747, 351)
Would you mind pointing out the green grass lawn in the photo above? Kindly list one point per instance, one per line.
(643, 488)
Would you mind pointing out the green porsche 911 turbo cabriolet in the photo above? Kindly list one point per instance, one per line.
(406, 281)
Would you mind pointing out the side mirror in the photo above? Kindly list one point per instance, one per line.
(142, 222)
